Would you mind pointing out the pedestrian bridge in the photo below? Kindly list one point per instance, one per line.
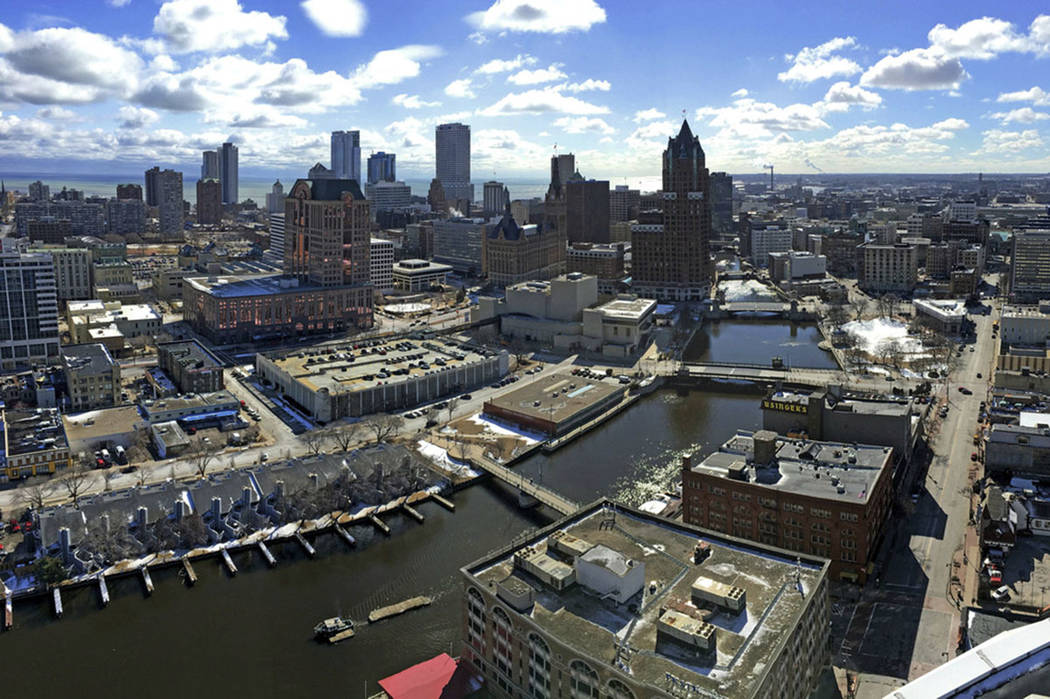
(526, 486)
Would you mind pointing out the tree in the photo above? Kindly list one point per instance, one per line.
(453, 403)
(35, 496)
(75, 480)
(461, 295)
(50, 570)
(836, 314)
(383, 426)
(201, 456)
(520, 351)
(140, 444)
(314, 440)
(345, 435)
(857, 304)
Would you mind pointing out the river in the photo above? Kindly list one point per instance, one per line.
(251, 635)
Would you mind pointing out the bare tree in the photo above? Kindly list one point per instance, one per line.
(76, 480)
(201, 455)
(107, 478)
(140, 476)
(35, 496)
(140, 443)
(836, 314)
(345, 436)
(314, 440)
(857, 304)
(453, 403)
(520, 350)
(383, 426)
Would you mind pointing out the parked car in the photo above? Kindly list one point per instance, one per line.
(1001, 594)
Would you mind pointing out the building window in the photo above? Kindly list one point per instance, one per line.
(501, 652)
(539, 667)
(618, 690)
(476, 620)
(583, 681)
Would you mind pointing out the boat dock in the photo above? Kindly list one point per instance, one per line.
(9, 612)
(379, 524)
(103, 591)
(270, 560)
(191, 574)
(305, 544)
(229, 562)
(345, 535)
(397, 609)
(341, 636)
(56, 593)
(147, 580)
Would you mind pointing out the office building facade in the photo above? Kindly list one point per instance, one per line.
(670, 255)
(887, 268)
(29, 328)
(452, 155)
(586, 210)
(346, 155)
(381, 264)
(73, 269)
(153, 186)
(169, 185)
(275, 199)
(623, 203)
(125, 216)
(129, 191)
(382, 167)
(92, 377)
(1030, 268)
(514, 253)
(209, 202)
(210, 165)
(495, 199)
(229, 173)
(85, 218)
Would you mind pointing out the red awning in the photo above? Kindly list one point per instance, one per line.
(423, 681)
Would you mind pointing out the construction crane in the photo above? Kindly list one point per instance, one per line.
(770, 168)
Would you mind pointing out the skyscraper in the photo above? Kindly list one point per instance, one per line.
(325, 250)
(624, 203)
(381, 168)
(722, 204)
(346, 155)
(671, 259)
(169, 185)
(563, 166)
(210, 165)
(209, 202)
(129, 191)
(452, 154)
(496, 198)
(275, 199)
(228, 173)
(152, 186)
(29, 326)
(586, 210)
(38, 191)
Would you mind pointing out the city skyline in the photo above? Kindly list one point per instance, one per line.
(121, 84)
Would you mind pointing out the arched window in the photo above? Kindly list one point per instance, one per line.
(502, 632)
(583, 681)
(618, 690)
(539, 667)
(475, 620)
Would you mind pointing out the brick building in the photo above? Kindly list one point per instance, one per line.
(512, 253)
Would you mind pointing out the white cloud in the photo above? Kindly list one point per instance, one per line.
(819, 62)
(460, 88)
(841, 96)
(57, 113)
(337, 17)
(546, 16)
(998, 142)
(535, 77)
(499, 65)
(1021, 115)
(73, 56)
(588, 85)
(988, 37)
(413, 102)
(540, 102)
(136, 117)
(505, 150)
(118, 3)
(394, 65)
(7, 39)
(747, 117)
(742, 92)
(214, 26)
(1036, 95)
(478, 38)
(648, 115)
(584, 125)
(917, 69)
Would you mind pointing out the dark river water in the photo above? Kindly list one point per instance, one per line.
(251, 635)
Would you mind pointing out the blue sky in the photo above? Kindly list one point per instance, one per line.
(847, 87)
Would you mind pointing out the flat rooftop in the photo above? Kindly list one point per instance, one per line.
(236, 287)
(102, 423)
(30, 431)
(190, 352)
(632, 309)
(830, 470)
(90, 359)
(191, 400)
(873, 405)
(776, 590)
(556, 397)
(344, 368)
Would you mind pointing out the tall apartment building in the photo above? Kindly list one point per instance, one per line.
(767, 237)
(210, 165)
(925, 225)
(326, 283)
(975, 231)
(277, 234)
(623, 203)
(586, 210)
(381, 264)
(671, 259)
(49, 230)
(514, 253)
(209, 202)
(1030, 266)
(72, 272)
(452, 154)
(722, 204)
(29, 325)
(495, 198)
(229, 173)
(85, 218)
(153, 186)
(382, 167)
(346, 155)
(826, 499)
(169, 185)
(92, 377)
(887, 268)
(554, 205)
(125, 216)
(38, 191)
(275, 199)
(841, 252)
(770, 608)
(129, 191)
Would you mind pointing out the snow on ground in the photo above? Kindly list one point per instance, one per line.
(508, 430)
(746, 290)
(878, 330)
(406, 307)
(443, 461)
